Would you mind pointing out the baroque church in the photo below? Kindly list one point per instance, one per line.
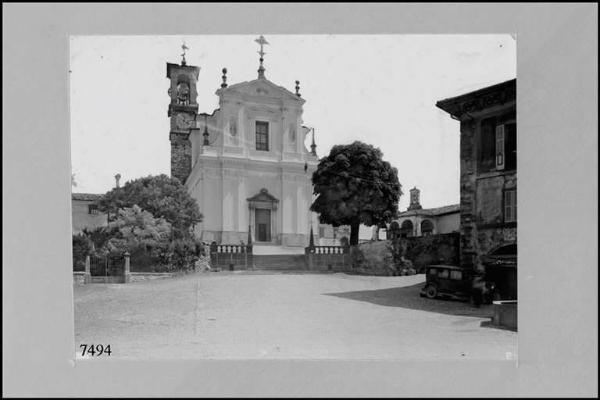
(245, 163)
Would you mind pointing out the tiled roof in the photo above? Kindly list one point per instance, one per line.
(445, 209)
(86, 196)
(433, 211)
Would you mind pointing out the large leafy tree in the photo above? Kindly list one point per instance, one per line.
(135, 227)
(162, 196)
(354, 185)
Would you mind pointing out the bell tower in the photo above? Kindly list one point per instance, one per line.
(415, 203)
(183, 110)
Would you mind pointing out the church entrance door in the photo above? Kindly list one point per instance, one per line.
(263, 225)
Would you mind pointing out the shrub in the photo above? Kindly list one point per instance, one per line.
(99, 237)
(148, 240)
(373, 258)
(184, 253)
(82, 246)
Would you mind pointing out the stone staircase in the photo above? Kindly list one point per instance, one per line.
(279, 262)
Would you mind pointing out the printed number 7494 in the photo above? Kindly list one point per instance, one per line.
(94, 350)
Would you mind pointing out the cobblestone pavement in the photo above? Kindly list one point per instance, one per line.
(252, 315)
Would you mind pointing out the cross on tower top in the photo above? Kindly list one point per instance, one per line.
(184, 48)
(261, 41)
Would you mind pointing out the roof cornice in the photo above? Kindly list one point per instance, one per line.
(487, 97)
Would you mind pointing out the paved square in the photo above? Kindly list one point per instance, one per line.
(254, 315)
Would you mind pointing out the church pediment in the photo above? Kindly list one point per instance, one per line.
(260, 88)
(263, 197)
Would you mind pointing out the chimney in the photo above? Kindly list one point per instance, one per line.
(117, 178)
(414, 199)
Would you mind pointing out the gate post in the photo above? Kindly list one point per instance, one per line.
(87, 277)
(127, 273)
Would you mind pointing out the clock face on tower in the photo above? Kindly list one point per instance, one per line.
(184, 121)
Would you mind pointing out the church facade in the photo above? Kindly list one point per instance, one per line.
(245, 163)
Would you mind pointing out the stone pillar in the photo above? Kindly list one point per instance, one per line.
(309, 252)
(310, 260)
(127, 267)
(87, 277)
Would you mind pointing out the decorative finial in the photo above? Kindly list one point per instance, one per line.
(224, 84)
(117, 178)
(262, 41)
(298, 88)
(184, 48)
(205, 134)
(313, 146)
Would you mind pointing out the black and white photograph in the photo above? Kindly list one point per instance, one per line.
(300, 200)
(295, 196)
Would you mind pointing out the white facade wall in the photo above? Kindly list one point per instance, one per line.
(231, 170)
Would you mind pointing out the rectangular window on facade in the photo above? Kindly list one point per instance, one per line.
(487, 145)
(510, 206)
(262, 136)
(500, 155)
(321, 231)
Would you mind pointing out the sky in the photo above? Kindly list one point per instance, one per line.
(379, 89)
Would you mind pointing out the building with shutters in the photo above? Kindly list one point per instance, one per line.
(488, 169)
(85, 213)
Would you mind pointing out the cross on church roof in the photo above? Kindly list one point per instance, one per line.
(262, 41)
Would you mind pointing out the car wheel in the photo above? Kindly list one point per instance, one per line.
(431, 292)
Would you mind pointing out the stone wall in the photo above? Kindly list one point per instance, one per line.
(482, 225)
(370, 258)
(181, 156)
(336, 262)
(385, 257)
(427, 250)
(78, 277)
(373, 258)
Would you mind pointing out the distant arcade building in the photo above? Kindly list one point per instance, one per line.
(419, 221)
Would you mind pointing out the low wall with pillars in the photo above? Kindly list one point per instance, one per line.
(328, 258)
(231, 256)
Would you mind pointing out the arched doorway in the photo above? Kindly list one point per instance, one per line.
(394, 230)
(426, 227)
(406, 229)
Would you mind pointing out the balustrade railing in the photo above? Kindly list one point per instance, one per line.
(327, 257)
(327, 250)
(231, 256)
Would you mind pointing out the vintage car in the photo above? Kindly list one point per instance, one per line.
(446, 281)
